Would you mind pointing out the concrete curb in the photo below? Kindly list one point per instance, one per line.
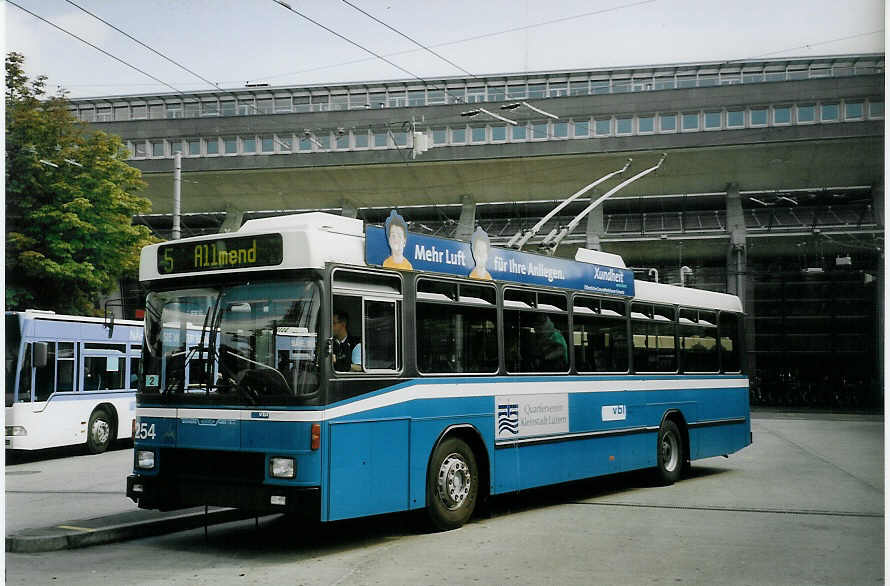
(114, 528)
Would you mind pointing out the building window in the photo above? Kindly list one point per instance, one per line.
(103, 114)
(558, 90)
(400, 138)
(283, 105)
(516, 92)
(230, 143)
(212, 146)
(707, 80)
(227, 107)
(560, 130)
(89, 115)
(440, 136)
(246, 107)
(520, 132)
(158, 148)
(267, 143)
(301, 104)
(139, 112)
(209, 109)
(397, 99)
(854, 110)
(806, 114)
(537, 90)
(582, 129)
(306, 143)
(498, 133)
(646, 124)
(139, 148)
(248, 144)
(599, 87)
(380, 139)
(342, 140)
(602, 126)
(759, 116)
(194, 147)
(121, 112)
(876, 109)
(435, 97)
(285, 143)
(539, 130)
(361, 139)
(475, 94)
(458, 135)
(358, 101)
(829, 112)
(735, 118)
(177, 145)
(667, 122)
(665, 83)
(752, 77)
(713, 120)
(191, 110)
(265, 106)
(620, 86)
(477, 134)
(340, 102)
(624, 125)
(324, 141)
(782, 115)
(496, 93)
(690, 121)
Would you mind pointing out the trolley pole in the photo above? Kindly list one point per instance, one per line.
(177, 190)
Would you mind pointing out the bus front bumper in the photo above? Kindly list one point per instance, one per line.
(155, 492)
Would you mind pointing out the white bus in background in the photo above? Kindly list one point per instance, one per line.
(69, 380)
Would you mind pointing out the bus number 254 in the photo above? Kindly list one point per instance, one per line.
(144, 431)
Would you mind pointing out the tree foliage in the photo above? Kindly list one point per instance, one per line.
(70, 199)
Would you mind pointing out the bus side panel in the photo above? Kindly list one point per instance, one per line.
(426, 431)
(62, 420)
(719, 440)
(368, 468)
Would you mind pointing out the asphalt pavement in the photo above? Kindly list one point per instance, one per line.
(65, 499)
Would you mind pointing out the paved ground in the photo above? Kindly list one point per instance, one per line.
(803, 505)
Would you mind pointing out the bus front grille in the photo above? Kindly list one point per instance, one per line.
(213, 465)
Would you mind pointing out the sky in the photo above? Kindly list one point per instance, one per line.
(230, 43)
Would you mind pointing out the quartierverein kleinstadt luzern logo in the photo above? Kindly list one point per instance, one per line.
(508, 418)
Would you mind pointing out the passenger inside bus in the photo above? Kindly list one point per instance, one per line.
(347, 351)
(549, 351)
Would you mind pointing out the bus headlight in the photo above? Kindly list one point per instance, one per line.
(282, 468)
(145, 459)
(16, 430)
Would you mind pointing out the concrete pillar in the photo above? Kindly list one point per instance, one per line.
(233, 220)
(737, 282)
(467, 222)
(877, 208)
(596, 228)
(348, 209)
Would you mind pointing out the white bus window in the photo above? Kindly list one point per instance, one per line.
(24, 390)
(65, 361)
(730, 357)
(535, 341)
(45, 376)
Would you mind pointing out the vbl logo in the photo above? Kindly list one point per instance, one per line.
(618, 410)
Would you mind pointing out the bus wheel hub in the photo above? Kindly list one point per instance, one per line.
(454, 481)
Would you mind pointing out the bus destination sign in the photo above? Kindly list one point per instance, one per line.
(238, 252)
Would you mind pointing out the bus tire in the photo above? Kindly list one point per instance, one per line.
(671, 453)
(99, 431)
(452, 484)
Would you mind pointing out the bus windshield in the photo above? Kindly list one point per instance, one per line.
(13, 337)
(243, 344)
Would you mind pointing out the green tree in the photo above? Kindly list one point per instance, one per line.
(70, 200)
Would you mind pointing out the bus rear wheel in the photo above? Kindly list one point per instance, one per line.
(671, 453)
(452, 484)
(99, 431)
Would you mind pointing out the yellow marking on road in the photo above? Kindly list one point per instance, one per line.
(73, 528)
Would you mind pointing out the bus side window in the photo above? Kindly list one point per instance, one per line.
(65, 366)
(45, 376)
(381, 335)
(25, 377)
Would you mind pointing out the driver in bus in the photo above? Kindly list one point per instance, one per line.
(347, 354)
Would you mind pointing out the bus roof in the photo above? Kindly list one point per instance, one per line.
(42, 314)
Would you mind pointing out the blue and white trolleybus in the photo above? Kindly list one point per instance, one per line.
(311, 364)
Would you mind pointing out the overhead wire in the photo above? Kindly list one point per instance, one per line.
(400, 33)
(180, 65)
(473, 38)
(103, 51)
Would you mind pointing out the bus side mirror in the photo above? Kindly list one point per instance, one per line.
(40, 352)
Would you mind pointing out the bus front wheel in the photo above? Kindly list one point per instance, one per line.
(99, 432)
(452, 484)
(671, 455)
